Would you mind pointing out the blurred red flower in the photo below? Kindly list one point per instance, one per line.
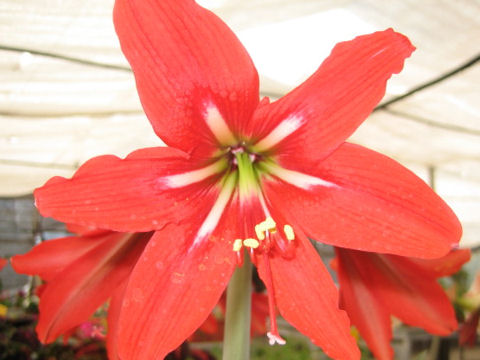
(81, 273)
(3, 262)
(374, 286)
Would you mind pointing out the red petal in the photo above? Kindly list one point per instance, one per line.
(49, 258)
(419, 300)
(336, 99)
(406, 291)
(374, 204)
(363, 308)
(172, 290)
(444, 266)
(308, 299)
(3, 262)
(75, 293)
(126, 195)
(158, 153)
(113, 316)
(184, 58)
(84, 230)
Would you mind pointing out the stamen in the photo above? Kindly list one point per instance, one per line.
(267, 225)
(237, 245)
(260, 231)
(288, 230)
(270, 225)
(251, 243)
(239, 258)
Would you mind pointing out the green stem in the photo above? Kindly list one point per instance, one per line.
(236, 339)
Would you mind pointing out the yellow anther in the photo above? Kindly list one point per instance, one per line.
(260, 231)
(269, 224)
(237, 245)
(288, 230)
(251, 243)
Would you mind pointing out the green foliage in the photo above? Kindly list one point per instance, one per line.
(294, 349)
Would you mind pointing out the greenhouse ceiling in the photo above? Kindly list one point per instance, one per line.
(67, 94)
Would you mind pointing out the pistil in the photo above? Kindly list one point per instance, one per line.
(273, 335)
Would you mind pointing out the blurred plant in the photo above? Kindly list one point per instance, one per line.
(469, 302)
(18, 340)
(373, 287)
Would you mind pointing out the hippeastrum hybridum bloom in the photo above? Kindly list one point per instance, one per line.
(240, 174)
(375, 286)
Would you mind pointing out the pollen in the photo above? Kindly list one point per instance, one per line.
(251, 243)
(288, 230)
(237, 245)
(260, 231)
(270, 224)
(267, 225)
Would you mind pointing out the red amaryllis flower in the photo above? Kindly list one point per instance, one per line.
(375, 286)
(242, 173)
(81, 273)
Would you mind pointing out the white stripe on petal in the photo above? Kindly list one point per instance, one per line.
(298, 179)
(218, 125)
(213, 217)
(281, 131)
(191, 177)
